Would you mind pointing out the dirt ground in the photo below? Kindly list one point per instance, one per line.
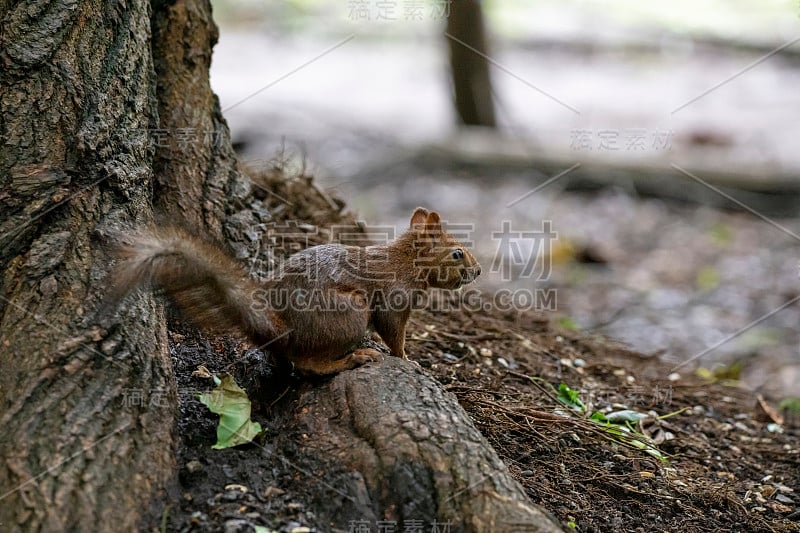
(706, 458)
(724, 470)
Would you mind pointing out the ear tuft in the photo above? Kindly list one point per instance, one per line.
(419, 217)
(434, 220)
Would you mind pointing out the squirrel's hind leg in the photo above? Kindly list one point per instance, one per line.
(321, 367)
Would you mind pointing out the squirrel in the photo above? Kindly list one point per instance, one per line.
(315, 310)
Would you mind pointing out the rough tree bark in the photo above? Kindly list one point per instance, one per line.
(197, 180)
(86, 419)
(76, 98)
(469, 68)
(396, 447)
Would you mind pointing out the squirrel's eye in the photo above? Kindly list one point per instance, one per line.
(458, 254)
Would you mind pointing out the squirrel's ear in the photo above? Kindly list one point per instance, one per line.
(434, 221)
(419, 217)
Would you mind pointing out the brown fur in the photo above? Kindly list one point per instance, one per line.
(348, 290)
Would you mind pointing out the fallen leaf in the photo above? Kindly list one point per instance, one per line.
(232, 405)
(764, 412)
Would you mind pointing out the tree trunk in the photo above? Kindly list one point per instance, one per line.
(197, 181)
(469, 66)
(102, 103)
(81, 446)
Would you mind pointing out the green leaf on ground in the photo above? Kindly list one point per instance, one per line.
(570, 398)
(626, 415)
(232, 405)
(618, 425)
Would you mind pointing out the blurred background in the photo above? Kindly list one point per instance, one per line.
(660, 141)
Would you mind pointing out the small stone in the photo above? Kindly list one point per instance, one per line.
(670, 472)
(486, 352)
(236, 525)
(194, 466)
(578, 363)
(526, 473)
(502, 362)
(270, 492)
(232, 495)
(301, 529)
(674, 376)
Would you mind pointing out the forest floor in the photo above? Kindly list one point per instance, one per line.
(706, 456)
(714, 462)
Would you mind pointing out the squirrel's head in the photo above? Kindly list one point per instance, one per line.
(442, 261)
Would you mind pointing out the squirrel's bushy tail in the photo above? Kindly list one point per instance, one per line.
(209, 287)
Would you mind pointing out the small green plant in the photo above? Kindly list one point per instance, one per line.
(618, 425)
(570, 398)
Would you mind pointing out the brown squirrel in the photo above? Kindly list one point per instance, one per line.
(320, 303)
